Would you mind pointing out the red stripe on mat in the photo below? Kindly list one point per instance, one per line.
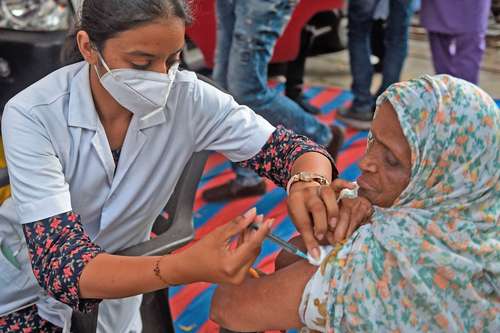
(186, 296)
(214, 160)
(324, 97)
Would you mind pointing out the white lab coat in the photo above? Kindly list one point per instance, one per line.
(59, 160)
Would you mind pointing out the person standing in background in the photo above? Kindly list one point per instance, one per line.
(361, 15)
(247, 31)
(457, 31)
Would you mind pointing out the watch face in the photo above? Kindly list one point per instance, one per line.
(305, 176)
(310, 177)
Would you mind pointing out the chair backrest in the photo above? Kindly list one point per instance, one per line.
(173, 232)
(178, 230)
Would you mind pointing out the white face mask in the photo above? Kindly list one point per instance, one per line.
(143, 93)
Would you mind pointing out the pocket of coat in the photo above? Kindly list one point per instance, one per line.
(10, 268)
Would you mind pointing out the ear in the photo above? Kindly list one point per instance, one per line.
(85, 47)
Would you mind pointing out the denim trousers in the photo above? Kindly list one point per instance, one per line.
(360, 16)
(247, 31)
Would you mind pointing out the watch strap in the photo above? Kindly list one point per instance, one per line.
(306, 177)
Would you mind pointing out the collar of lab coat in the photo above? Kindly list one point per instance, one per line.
(82, 111)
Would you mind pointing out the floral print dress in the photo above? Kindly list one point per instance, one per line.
(431, 262)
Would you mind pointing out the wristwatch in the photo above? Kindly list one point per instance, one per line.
(307, 177)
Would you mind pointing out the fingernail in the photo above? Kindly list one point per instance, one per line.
(315, 253)
(333, 222)
(269, 223)
(250, 212)
(320, 236)
(259, 219)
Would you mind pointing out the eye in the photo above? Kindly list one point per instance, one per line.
(391, 159)
(141, 67)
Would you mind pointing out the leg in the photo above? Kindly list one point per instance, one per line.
(271, 302)
(225, 27)
(469, 53)
(360, 24)
(360, 17)
(441, 55)
(377, 42)
(258, 26)
(295, 69)
(396, 41)
(295, 75)
(247, 182)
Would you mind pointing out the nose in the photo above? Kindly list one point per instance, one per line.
(367, 163)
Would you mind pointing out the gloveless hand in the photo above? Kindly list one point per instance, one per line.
(312, 208)
(353, 213)
(225, 254)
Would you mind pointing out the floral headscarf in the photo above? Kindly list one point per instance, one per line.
(431, 262)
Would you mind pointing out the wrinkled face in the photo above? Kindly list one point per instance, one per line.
(153, 47)
(386, 165)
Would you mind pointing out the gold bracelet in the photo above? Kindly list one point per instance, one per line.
(156, 270)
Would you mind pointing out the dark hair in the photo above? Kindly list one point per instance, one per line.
(104, 19)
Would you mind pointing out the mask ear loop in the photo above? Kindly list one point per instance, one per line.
(101, 59)
(172, 71)
(103, 62)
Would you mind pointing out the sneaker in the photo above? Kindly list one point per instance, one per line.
(355, 119)
(335, 145)
(304, 103)
(232, 190)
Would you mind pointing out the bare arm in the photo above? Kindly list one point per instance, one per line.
(268, 303)
(75, 271)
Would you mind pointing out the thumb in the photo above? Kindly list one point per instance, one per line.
(340, 184)
(249, 250)
(311, 243)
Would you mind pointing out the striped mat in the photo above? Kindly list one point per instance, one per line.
(189, 304)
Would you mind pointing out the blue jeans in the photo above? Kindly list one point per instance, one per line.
(247, 31)
(360, 17)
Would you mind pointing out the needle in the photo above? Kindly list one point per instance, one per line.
(284, 244)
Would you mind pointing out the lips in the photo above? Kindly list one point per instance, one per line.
(363, 184)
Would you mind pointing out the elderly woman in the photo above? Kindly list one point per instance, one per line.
(430, 259)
